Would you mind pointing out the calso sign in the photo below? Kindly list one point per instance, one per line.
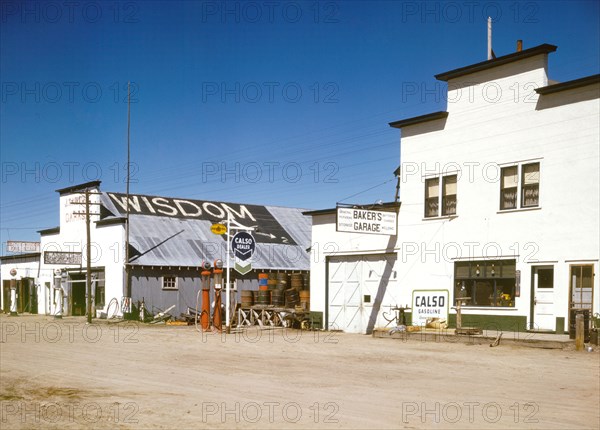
(243, 245)
(428, 304)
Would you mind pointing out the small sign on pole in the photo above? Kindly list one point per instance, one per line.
(218, 229)
(243, 246)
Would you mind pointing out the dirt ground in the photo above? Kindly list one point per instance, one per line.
(66, 374)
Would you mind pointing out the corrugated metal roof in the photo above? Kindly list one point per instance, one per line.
(176, 232)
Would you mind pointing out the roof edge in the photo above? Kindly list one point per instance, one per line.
(47, 231)
(79, 187)
(419, 119)
(488, 64)
(17, 256)
(569, 85)
(386, 205)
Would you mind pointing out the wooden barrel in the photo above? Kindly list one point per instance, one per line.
(264, 297)
(304, 299)
(254, 296)
(272, 281)
(247, 298)
(306, 283)
(277, 297)
(297, 280)
(282, 281)
(291, 298)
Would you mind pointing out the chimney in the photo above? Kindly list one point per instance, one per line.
(519, 45)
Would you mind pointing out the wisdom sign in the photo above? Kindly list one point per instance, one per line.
(366, 221)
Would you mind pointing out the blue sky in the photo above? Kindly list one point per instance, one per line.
(280, 103)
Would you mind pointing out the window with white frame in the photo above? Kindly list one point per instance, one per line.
(528, 187)
(444, 198)
(169, 282)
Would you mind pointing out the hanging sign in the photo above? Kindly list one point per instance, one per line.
(218, 229)
(243, 245)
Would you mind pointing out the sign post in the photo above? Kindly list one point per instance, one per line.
(245, 246)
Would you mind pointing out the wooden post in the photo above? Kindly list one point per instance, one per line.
(579, 332)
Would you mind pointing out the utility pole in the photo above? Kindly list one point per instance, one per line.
(88, 253)
(88, 257)
(127, 269)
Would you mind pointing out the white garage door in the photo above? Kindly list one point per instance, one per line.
(358, 285)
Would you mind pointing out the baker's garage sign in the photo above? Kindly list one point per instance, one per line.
(428, 304)
(354, 220)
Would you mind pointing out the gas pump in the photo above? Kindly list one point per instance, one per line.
(58, 293)
(218, 274)
(205, 312)
(13, 292)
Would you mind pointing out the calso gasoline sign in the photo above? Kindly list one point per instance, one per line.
(428, 304)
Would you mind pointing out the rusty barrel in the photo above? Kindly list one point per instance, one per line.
(291, 298)
(264, 297)
(272, 281)
(277, 297)
(297, 281)
(263, 281)
(306, 281)
(304, 299)
(282, 281)
(247, 298)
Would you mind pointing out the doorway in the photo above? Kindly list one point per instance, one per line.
(542, 299)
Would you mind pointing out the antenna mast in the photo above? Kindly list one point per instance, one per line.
(127, 274)
(489, 38)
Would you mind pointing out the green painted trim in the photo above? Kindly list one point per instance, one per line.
(491, 322)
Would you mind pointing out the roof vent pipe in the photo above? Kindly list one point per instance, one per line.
(519, 45)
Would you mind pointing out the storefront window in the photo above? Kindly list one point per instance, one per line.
(486, 282)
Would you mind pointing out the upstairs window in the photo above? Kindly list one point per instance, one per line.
(449, 195)
(446, 200)
(432, 195)
(528, 186)
(508, 187)
(530, 190)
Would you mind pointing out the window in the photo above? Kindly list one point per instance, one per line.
(508, 187)
(169, 282)
(582, 286)
(447, 198)
(530, 190)
(529, 186)
(545, 278)
(486, 282)
(432, 193)
(449, 195)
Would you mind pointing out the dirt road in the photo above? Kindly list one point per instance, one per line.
(66, 374)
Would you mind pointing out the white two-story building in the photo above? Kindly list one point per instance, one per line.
(500, 204)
